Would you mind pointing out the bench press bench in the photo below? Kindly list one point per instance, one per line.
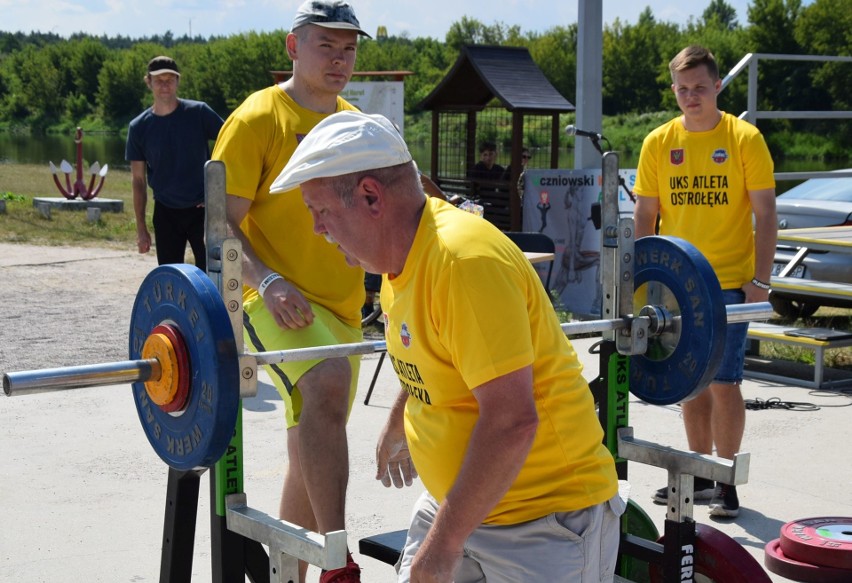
(817, 339)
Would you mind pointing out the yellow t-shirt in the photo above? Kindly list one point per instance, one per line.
(255, 143)
(702, 181)
(467, 308)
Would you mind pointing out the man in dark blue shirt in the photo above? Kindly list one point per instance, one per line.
(167, 146)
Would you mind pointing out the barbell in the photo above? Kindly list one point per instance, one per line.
(184, 366)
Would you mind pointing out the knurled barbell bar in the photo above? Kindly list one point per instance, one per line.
(184, 365)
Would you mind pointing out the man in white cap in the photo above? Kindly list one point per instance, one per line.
(299, 291)
(494, 412)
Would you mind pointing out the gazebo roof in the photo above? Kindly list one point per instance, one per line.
(507, 73)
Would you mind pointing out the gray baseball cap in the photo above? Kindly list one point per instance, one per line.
(329, 14)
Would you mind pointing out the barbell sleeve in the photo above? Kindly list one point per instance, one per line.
(76, 377)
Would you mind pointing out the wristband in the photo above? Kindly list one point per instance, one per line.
(266, 281)
(760, 284)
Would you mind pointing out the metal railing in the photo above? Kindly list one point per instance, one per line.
(749, 63)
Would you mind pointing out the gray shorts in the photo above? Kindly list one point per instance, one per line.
(576, 547)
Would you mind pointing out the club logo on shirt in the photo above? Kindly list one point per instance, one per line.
(405, 335)
(676, 156)
(720, 156)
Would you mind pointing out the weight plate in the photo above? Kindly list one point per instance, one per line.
(636, 521)
(672, 273)
(183, 297)
(825, 541)
(184, 367)
(161, 391)
(780, 564)
(717, 558)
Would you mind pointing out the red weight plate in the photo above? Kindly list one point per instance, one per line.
(183, 365)
(825, 541)
(719, 559)
(777, 562)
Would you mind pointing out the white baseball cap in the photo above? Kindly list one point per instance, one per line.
(343, 143)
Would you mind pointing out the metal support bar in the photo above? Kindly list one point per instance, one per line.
(326, 551)
(719, 469)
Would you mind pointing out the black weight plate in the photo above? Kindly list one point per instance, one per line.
(182, 296)
(716, 558)
(670, 272)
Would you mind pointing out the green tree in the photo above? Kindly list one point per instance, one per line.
(825, 28)
(470, 31)
(34, 86)
(632, 58)
(555, 52)
(122, 93)
(722, 14)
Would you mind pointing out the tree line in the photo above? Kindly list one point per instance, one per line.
(50, 82)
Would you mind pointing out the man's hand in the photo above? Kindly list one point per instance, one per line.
(393, 460)
(143, 241)
(287, 305)
(434, 565)
(755, 294)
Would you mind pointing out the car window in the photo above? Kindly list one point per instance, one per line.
(837, 189)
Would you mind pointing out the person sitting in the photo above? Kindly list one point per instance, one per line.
(487, 167)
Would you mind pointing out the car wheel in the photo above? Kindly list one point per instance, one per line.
(793, 309)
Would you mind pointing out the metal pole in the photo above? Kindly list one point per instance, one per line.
(76, 377)
(130, 371)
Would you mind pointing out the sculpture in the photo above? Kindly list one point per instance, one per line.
(79, 187)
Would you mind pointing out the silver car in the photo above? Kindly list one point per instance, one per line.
(818, 202)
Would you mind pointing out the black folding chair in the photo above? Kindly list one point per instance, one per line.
(535, 243)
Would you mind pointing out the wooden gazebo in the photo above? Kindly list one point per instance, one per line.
(482, 79)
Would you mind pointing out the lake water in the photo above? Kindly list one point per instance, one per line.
(108, 148)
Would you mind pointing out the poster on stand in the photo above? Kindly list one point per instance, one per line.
(558, 203)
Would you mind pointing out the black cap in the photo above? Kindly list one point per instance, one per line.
(162, 64)
(329, 14)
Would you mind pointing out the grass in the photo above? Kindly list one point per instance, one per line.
(835, 318)
(22, 223)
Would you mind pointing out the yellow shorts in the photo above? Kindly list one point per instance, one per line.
(264, 335)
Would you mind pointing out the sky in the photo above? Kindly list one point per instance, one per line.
(415, 18)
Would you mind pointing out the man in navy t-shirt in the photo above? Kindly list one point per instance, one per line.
(167, 147)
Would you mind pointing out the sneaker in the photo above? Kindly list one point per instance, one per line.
(725, 501)
(703, 490)
(351, 573)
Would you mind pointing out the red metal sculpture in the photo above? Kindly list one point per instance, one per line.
(79, 188)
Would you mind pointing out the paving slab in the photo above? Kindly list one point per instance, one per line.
(83, 492)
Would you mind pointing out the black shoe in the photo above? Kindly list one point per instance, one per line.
(725, 502)
(702, 490)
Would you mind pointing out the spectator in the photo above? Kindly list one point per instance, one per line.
(300, 292)
(167, 147)
(487, 168)
(708, 175)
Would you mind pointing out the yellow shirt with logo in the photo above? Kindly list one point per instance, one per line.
(468, 308)
(702, 181)
(255, 144)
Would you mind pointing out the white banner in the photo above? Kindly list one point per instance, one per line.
(384, 97)
(558, 203)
